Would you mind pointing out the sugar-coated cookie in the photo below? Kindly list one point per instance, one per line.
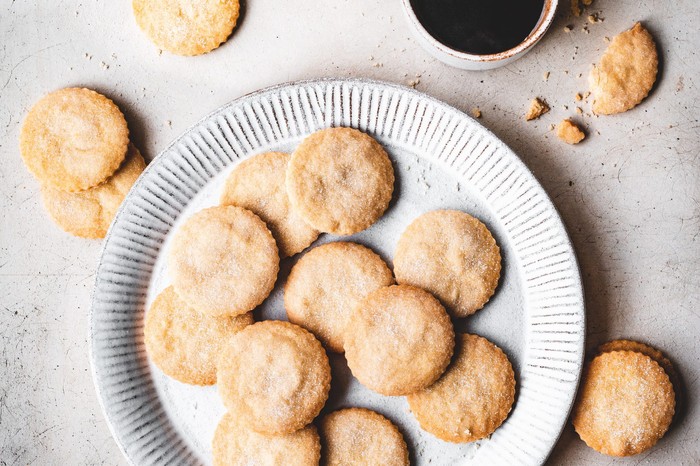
(626, 72)
(625, 403)
(184, 343)
(474, 396)
(399, 340)
(361, 437)
(223, 260)
(327, 283)
(184, 27)
(454, 256)
(258, 184)
(73, 139)
(340, 180)
(274, 376)
(89, 213)
(235, 444)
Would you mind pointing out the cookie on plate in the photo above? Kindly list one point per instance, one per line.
(474, 396)
(274, 376)
(258, 185)
(626, 72)
(454, 256)
(340, 180)
(184, 343)
(89, 213)
(361, 437)
(184, 27)
(625, 404)
(73, 139)
(223, 260)
(234, 444)
(399, 340)
(327, 283)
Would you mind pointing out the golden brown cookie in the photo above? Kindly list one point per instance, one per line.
(184, 343)
(73, 139)
(626, 72)
(340, 180)
(234, 444)
(399, 340)
(653, 353)
(625, 403)
(474, 396)
(258, 185)
(89, 213)
(360, 437)
(452, 255)
(223, 260)
(185, 27)
(327, 283)
(274, 376)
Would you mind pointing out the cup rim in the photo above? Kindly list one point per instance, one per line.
(546, 20)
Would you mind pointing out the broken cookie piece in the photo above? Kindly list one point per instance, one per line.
(626, 72)
(538, 107)
(570, 132)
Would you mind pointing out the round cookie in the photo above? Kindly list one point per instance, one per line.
(360, 437)
(340, 180)
(258, 185)
(399, 340)
(454, 256)
(274, 376)
(327, 283)
(474, 396)
(223, 260)
(89, 213)
(626, 72)
(184, 343)
(184, 27)
(625, 403)
(236, 445)
(73, 139)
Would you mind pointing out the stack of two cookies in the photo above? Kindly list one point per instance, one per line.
(76, 143)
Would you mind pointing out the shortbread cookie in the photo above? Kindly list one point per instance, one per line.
(185, 27)
(73, 139)
(452, 255)
(184, 343)
(474, 396)
(89, 213)
(360, 437)
(258, 185)
(399, 340)
(626, 72)
(340, 180)
(234, 444)
(625, 403)
(223, 260)
(327, 283)
(653, 353)
(274, 376)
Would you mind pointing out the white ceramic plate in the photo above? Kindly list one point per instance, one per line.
(442, 159)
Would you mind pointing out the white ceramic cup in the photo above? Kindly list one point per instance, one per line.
(468, 61)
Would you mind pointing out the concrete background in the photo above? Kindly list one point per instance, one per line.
(629, 194)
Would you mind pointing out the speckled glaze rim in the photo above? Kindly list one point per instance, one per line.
(545, 21)
(553, 302)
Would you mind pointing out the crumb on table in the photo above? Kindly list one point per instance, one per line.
(476, 112)
(538, 107)
(570, 132)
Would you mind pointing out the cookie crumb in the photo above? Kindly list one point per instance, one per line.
(587, 2)
(104, 65)
(414, 82)
(538, 107)
(567, 28)
(476, 112)
(593, 18)
(575, 8)
(578, 97)
(579, 110)
(570, 132)
(545, 76)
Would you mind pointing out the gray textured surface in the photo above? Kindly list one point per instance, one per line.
(629, 195)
